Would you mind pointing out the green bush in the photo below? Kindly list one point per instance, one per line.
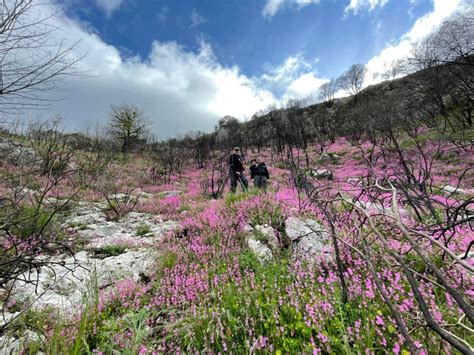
(30, 220)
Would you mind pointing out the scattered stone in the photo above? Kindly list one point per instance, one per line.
(355, 181)
(91, 224)
(454, 190)
(248, 228)
(30, 336)
(320, 174)
(372, 207)
(63, 283)
(329, 157)
(172, 193)
(308, 238)
(121, 197)
(9, 345)
(467, 257)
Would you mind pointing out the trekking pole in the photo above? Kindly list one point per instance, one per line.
(241, 183)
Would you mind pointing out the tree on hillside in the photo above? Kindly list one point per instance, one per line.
(168, 157)
(202, 148)
(449, 54)
(328, 90)
(31, 60)
(127, 125)
(452, 43)
(393, 69)
(353, 79)
(228, 132)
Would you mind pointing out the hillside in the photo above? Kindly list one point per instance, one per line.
(343, 227)
(338, 256)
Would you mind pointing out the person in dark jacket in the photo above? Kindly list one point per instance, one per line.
(259, 174)
(236, 171)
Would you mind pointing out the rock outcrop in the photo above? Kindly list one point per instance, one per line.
(262, 241)
(112, 251)
(454, 190)
(63, 283)
(134, 230)
(309, 240)
(261, 249)
(17, 154)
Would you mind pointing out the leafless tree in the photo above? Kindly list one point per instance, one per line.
(167, 158)
(32, 61)
(393, 69)
(353, 79)
(228, 133)
(214, 181)
(328, 90)
(449, 55)
(32, 207)
(202, 145)
(451, 43)
(120, 195)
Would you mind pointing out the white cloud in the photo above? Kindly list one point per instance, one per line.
(355, 6)
(305, 85)
(196, 19)
(109, 6)
(273, 6)
(295, 78)
(402, 49)
(287, 71)
(177, 89)
(426, 24)
(181, 90)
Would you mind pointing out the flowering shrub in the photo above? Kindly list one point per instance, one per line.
(210, 293)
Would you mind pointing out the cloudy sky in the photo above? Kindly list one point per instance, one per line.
(186, 63)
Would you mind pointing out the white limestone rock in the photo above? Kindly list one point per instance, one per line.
(262, 250)
(172, 193)
(269, 234)
(320, 174)
(454, 190)
(63, 285)
(309, 239)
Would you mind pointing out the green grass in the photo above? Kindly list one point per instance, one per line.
(260, 237)
(233, 198)
(143, 229)
(78, 225)
(166, 260)
(262, 306)
(108, 251)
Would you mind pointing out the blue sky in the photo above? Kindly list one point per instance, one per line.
(241, 35)
(186, 63)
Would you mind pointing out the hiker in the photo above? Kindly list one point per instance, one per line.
(259, 174)
(236, 171)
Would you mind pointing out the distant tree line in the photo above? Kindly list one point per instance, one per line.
(435, 88)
